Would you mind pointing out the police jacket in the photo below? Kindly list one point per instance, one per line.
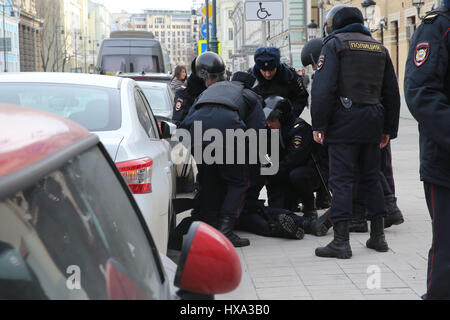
(355, 95)
(286, 83)
(185, 97)
(226, 105)
(427, 93)
(296, 145)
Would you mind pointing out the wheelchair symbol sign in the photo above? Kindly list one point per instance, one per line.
(263, 10)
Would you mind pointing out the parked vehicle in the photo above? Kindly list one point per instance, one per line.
(160, 97)
(132, 51)
(117, 111)
(150, 76)
(71, 229)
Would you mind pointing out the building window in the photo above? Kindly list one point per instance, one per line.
(230, 34)
(159, 20)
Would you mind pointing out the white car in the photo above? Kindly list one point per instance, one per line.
(117, 111)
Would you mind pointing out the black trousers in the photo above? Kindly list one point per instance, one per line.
(438, 277)
(347, 163)
(223, 189)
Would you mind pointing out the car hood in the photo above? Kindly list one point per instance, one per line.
(111, 141)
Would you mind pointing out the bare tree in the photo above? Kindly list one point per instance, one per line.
(53, 41)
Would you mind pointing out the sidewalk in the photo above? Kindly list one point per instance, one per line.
(288, 269)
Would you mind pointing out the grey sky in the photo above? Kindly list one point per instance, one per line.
(135, 6)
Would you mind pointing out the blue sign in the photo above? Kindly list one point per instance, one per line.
(203, 30)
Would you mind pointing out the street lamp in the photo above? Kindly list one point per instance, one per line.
(418, 4)
(368, 8)
(93, 51)
(312, 28)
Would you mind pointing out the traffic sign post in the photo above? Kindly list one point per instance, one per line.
(202, 47)
(209, 10)
(204, 32)
(263, 10)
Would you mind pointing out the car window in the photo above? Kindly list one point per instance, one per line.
(112, 64)
(143, 115)
(157, 97)
(74, 234)
(95, 108)
(156, 128)
(143, 63)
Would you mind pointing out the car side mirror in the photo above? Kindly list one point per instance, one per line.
(208, 264)
(167, 129)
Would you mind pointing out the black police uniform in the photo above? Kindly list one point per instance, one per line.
(297, 177)
(224, 105)
(186, 96)
(427, 93)
(286, 83)
(355, 100)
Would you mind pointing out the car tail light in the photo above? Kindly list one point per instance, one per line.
(137, 174)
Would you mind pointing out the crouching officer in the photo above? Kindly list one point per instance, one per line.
(186, 96)
(297, 177)
(223, 105)
(277, 79)
(427, 93)
(355, 109)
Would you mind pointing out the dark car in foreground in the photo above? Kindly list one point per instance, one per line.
(70, 227)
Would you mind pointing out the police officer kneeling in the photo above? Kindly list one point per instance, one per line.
(223, 105)
(355, 111)
(297, 177)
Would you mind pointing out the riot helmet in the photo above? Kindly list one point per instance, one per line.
(209, 65)
(311, 52)
(277, 107)
(341, 16)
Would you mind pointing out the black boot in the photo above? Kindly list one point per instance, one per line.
(226, 226)
(322, 199)
(318, 227)
(340, 246)
(394, 215)
(286, 227)
(358, 222)
(377, 240)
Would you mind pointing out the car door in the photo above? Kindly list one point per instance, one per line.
(162, 166)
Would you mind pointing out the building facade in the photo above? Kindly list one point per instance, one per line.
(9, 34)
(100, 24)
(288, 34)
(29, 37)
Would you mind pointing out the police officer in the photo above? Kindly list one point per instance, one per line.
(358, 222)
(186, 95)
(223, 105)
(297, 177)
(427, 93)
(277, 79)
(355, 109)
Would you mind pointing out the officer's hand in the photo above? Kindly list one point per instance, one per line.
(384, 140)
(319, 136)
